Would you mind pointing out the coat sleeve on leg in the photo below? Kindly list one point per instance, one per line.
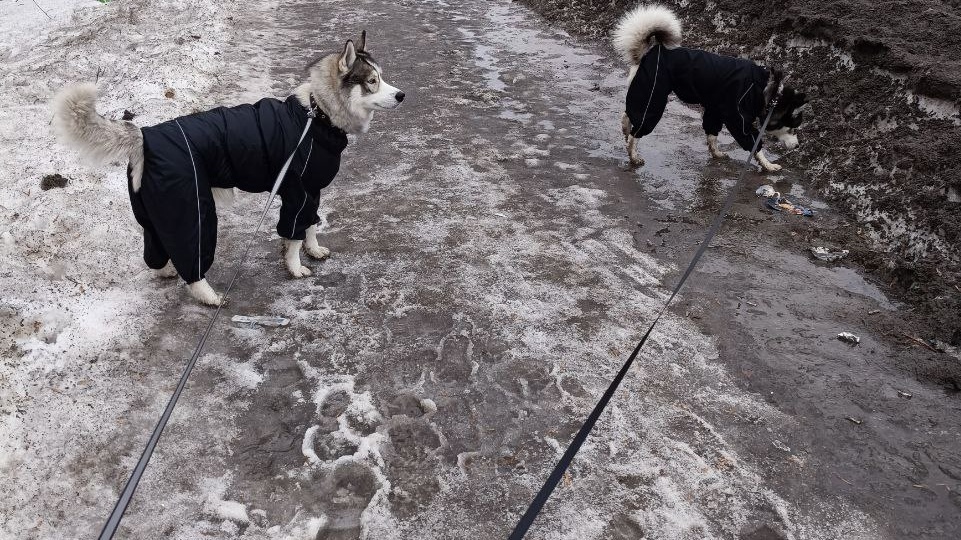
(179, 202)
(713, 121)
(648, 93)
(298, 209)
(740, 117)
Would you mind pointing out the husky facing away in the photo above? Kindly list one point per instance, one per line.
(178, 168)
(734, 92)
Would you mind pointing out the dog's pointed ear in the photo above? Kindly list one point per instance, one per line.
(363, 41)
(348, 57)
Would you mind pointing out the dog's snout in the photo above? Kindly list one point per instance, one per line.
(399, 96)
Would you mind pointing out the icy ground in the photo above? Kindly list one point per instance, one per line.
(484, 287)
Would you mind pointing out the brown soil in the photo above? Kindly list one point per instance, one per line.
(862, 135)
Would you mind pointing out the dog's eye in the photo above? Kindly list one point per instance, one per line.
(372, 81)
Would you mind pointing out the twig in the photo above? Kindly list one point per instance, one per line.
(919, 341)
(843, 480)
(41, 9)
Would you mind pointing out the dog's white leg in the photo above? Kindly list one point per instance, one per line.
(313, 248)
(292, 258)
(224, 197)
(167, 271)
(636, 160)
(765, 164)
(202, 291)
(713, 149)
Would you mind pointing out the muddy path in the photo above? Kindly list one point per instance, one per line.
(493, 263)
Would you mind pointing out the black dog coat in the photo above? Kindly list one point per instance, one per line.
(730, 89)
(240, 147)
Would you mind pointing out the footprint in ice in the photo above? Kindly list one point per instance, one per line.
(412, 457)
(349, 489)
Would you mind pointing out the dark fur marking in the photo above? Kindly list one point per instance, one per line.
(360, 72)
(785, 113)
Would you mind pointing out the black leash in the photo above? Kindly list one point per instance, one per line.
(110, 528)
(555, 477)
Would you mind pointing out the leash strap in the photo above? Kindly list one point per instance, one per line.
(110, 528)
(555, 477)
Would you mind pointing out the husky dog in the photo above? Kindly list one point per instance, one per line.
(734, 92)
(177, 169)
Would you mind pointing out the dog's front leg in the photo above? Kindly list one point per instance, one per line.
(202, 291)
(292, 258)
(765, 164)
(313, 248)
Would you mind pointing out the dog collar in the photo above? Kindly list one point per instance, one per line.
(314, 111)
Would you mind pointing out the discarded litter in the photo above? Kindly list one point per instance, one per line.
(854, 420)
(905, 395)
(827, 255)
(848, 337)
(262, 320)
(780, 204)
(774, 201)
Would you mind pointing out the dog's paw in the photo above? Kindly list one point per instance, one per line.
(717, 154)
(317, 252)
(205, 294)
(299, 271)
(771, 167)
(636, 162)
(167, 271)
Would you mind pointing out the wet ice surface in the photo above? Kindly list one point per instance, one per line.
(482, 291)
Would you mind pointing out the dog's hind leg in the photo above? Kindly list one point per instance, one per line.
(765, 164)
(712, 122)
(313, 248)
(292, 258)
(167, 272)
(636, 160)
(713, 149)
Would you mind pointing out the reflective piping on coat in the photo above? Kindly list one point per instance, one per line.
(739, 113)
(657, 68)
(306, 161)
(197, 188)
(293, 227)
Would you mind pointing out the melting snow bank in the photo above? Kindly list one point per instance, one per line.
(75, 294)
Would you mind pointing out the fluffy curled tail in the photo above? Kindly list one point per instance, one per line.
(642, 27)
(78, 124)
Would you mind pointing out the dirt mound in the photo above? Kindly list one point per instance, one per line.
(881, 138)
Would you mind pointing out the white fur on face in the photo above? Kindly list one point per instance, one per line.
(788, 139)
(384, 98)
